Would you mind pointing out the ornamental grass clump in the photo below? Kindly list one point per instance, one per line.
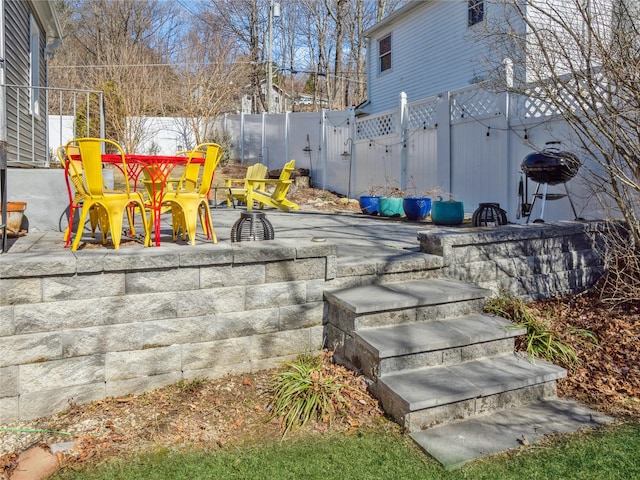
(540, 341)
(306, 390)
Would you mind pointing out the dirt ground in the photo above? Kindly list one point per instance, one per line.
(234, 410)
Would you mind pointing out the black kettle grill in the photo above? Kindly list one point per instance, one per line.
(548, 167)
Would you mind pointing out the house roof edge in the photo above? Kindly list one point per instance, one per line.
(395, 16)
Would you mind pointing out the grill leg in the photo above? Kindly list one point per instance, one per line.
(544, 200)
(533, 202)
(575, 215)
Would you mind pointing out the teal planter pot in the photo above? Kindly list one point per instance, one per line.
(391, 207)
(369, 204)
(447, 212)
(416, 209)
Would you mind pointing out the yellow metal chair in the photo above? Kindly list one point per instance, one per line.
(70, 160)
(189, 202)
(237, 187)
(276, 198)
(113, 203)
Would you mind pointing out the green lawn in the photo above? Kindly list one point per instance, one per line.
(611, 453)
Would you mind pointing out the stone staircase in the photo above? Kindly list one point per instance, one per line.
(432, 358)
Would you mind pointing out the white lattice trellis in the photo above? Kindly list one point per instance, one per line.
(583, 95)
(421, 115)
(474, 102)
(377, 126)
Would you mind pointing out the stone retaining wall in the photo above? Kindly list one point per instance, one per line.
(84, 326)
(532, 261)
(77, 327)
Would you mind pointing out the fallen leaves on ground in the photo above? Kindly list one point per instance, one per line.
(608, 377)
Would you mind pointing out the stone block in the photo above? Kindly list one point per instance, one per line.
(448, 310)
(232, 275)
(53, 316)
(310, 248)
(301, 316)
(246, 323)
(33, 264)
(9, 381)
(411, 362)
(331, 271)
(179, 331)
(216, 354)
(334, 340)
(141, 307)
(315, 290)
(261, 252)
(141, 363)
(55, 374)
(515, 398)
(407, 263)
(90, 261)
(9, 410)
(381, 319)
(138, 385)
(16, 291)
(357, 268)
(35, 347)
(272, 295)
(206, 256)
(7, 322)
(340, 318)
(82, 286)
(128, 260)
(316, 338)
(277, 344)
(46, 402)
(79, 342)
(442, 414)
(299, 269)
(165, 280)
(212, 300)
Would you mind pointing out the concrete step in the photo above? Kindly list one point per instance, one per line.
(402, 302)
(439, 342)
(457, 443)
(458, 388)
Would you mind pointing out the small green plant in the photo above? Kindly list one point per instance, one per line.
(191, 386)
(305, 390)
(540, 340)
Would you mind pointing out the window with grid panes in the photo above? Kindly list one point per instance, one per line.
(384, 52)
(476, 11)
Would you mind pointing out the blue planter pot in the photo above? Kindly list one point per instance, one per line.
(369, 204)
(390, 207)
(416, 209)
(447, 212)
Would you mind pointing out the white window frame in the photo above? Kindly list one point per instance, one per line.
(382, 55)
(34, 68)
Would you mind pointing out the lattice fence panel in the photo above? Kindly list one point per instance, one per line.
(582, 96)
(474, 103)
(377, 126)
(421, 115)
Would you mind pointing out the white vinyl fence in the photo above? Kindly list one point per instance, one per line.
(467, 144)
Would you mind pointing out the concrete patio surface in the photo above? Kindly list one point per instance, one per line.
(356, 235)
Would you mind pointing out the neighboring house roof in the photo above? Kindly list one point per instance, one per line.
(46, 12)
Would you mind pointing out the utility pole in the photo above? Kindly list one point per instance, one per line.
(274, 12)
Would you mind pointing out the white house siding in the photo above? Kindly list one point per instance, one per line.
(433, 50)
(26, 133)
